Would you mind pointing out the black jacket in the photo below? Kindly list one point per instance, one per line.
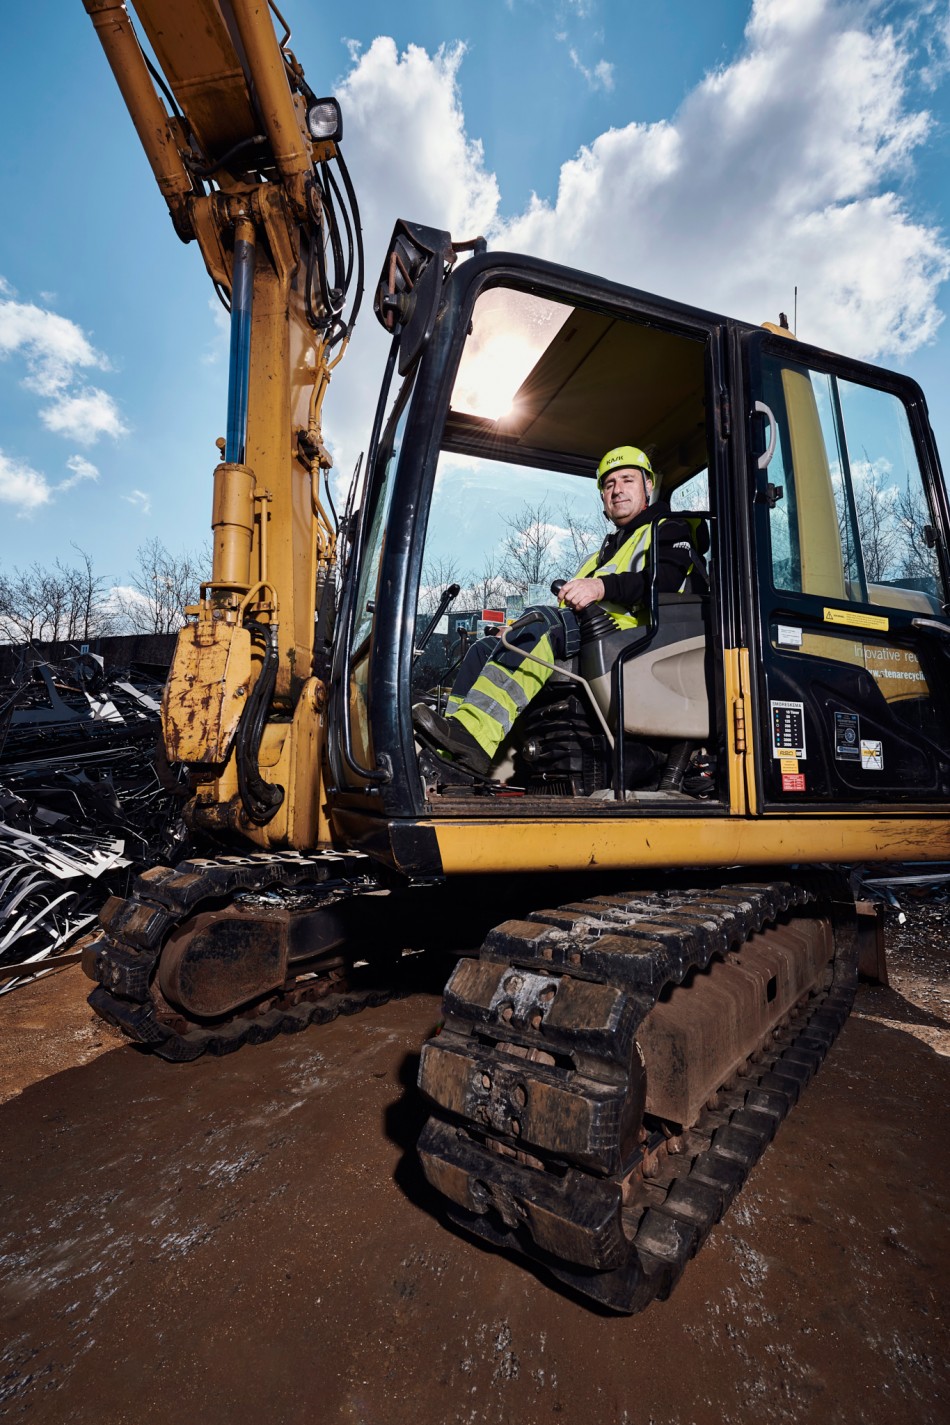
(674, 554)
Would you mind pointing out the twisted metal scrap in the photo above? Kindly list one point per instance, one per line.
(82, 807)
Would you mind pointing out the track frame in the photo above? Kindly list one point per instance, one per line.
(538, 1140)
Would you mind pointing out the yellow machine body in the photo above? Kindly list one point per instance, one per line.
(613, 1063)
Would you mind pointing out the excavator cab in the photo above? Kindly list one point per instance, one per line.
(804, 670)
(540, 380)
(540, 387)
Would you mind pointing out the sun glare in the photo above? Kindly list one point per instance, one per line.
(510, 331)
(488, 382)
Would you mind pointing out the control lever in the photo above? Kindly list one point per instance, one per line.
(594, 622)
(449, 596)
(556, 588)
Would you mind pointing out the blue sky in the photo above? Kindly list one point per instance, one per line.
(708, 149)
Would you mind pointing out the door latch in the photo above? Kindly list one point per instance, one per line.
(770, 495)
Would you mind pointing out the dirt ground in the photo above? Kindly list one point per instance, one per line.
(249, 1239)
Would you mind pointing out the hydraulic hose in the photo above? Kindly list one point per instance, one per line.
(259, 799)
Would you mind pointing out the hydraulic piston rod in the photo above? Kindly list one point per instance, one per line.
(242, 300)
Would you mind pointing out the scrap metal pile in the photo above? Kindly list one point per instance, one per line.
(83, 804)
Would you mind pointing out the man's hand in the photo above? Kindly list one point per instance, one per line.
(578, 593)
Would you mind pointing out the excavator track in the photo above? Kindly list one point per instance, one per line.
(543, 1141)
(122, 954)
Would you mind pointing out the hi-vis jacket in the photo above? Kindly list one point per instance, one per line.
(631, 557)
(492, 691)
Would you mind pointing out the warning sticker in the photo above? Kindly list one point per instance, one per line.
(872, 756)
(793, 781)
(788, 766)
(847, 737)
(788, 729)
(856, 620)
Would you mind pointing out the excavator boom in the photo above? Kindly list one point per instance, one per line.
(247, 158)
(227, 77)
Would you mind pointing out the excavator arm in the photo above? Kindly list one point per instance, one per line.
(247, 158)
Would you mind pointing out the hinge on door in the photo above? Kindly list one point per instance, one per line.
(725, 414)
(738, 711)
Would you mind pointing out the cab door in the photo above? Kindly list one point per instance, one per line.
(851, 639)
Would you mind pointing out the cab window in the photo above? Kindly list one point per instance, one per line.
(848, 516)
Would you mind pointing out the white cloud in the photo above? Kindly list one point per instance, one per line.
(82, 470)
(122, 597)
(22, 486)
(141, 501)
(53, 346)
(599, 76)
(29, 489)
(410, 155)
(780, 168)
(217, 347)
(84, 417)
(408, 104)
(772, 173)
(55, 351)
(936, 43)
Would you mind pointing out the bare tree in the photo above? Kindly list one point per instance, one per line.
(891, 522)
(161, 586)
(22, 609)
(489, 588)
(87, 613)
(68, 602)
(874, 508)
(437, 575)
(585, 535)
(918, 561)
(527, 552)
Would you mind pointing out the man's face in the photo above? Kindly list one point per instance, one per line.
(625, 494)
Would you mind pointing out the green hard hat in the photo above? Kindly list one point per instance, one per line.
(623, 457)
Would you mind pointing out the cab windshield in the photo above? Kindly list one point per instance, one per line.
(543, 389)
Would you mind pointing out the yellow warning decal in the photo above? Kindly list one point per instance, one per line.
(856, 620)
(789, 766)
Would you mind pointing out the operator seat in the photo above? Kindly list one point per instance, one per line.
(665, 689)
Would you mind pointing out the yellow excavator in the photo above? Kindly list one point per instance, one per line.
(664, 839)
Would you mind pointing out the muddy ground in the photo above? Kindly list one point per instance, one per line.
(249, 1239)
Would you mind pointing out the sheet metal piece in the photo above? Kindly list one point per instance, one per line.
(82, 807)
